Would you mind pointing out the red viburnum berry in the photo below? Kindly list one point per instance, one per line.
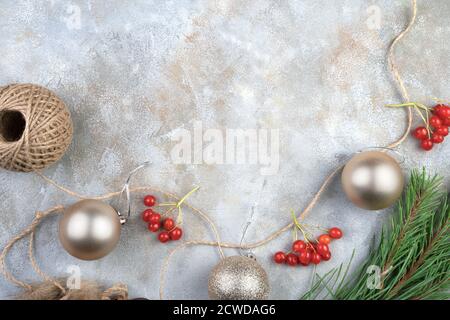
(420, 133)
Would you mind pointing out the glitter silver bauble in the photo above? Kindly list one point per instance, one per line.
(238, 278)
(89, 229)
(373, 180)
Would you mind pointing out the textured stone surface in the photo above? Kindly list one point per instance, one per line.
(135, 72)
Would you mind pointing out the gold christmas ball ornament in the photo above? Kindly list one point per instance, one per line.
(373, 180)
(89, 229)
(238, 278)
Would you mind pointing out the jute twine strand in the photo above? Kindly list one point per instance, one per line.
(26, 232)
(31, 229)
(47, 130)
(396, 74)
(35, 265)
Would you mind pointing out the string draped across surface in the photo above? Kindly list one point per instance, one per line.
(29, 231)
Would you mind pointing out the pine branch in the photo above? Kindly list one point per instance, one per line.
(403, 230)
(414, 254)
(415, 266)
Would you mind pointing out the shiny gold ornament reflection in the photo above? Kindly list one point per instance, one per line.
(89, 229)
(373, 180)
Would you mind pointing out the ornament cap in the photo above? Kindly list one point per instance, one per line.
(126, 192)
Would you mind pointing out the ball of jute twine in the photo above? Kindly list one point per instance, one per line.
(35, 127)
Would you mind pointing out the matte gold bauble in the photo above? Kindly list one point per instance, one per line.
(89, 229)
(373, 180)
(238, 278)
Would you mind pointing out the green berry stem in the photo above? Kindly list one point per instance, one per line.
(177, 205)
(418, 107)
(299, 226)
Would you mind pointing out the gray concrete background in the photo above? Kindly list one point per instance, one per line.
(134, 72)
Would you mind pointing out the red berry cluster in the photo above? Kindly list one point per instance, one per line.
(436, 129)
(306, 252)
(155, 222)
